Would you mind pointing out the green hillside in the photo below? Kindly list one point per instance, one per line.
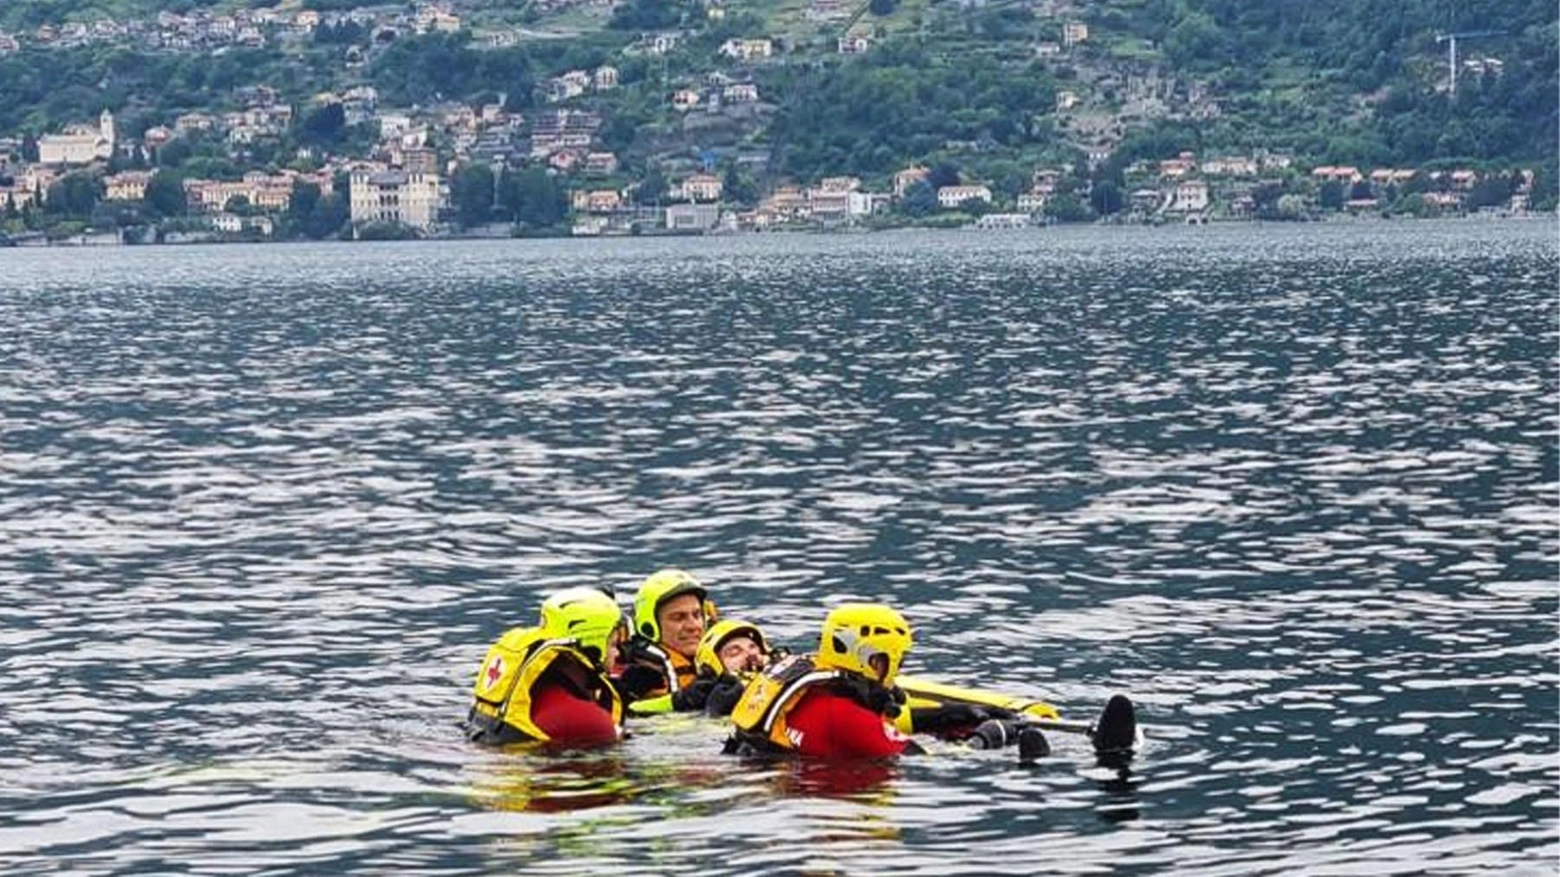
(989, 91)
(1360, 81)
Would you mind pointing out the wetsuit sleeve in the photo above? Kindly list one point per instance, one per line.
(571, 720)
(832, 726)
(652, 706)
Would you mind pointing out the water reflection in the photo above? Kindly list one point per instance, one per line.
(522, 779)
(1120, 787)
(866, 782)
(533, 782)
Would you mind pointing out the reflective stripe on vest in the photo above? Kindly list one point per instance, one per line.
(677, 670)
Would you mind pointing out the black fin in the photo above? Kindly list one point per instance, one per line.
(1116, 731)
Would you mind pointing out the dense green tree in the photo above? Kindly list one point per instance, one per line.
(1065, 207)
(165, 194)
(1008, 178)
(471, 192)
(533, 198)
(976, 207)
(618, 132)
(323, 126)
(1330, 195)
(74, 195)
(1003, 23)
(1411, 204)
(902, 101)
(651, 189)
(329, 216)
(117, 214)
(305, 196)
(212, 167)
(737, 187)
(386, 231)
(638, 15)
(1546, 187)
(438, 66)
(1197, 41)
(344, 33)
(1290, 206)
(175, 152)
(1105, 198)
(920, 199)
(944, 173)
(1492, 190)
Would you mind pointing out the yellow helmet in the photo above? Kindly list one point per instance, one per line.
(587, 616)
(866, 638)
(707, 658)
(657, 589)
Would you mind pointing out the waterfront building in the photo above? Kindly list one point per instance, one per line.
(692, 217)
(949, 197)
(406, 197)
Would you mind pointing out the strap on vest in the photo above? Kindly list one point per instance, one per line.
(778, 705)
(645, 649)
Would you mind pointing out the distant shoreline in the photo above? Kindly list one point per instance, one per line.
(103, 240)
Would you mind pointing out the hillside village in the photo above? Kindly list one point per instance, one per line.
(344, 163)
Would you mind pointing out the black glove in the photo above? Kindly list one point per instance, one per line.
(871, 694)
(887, 701)
(637, 681)
(724, 696)
(694, 696)
(943, 719)
(994, 734)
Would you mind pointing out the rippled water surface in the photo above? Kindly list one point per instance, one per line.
(1294, 489)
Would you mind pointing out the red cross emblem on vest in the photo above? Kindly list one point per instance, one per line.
(494, 671)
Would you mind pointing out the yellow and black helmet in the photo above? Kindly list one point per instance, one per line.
(588, 617)
(869, 639)
(657, 589)
(707, 658)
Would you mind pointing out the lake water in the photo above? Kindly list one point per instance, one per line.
(1294, 489)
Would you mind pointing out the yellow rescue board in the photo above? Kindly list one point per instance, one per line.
(921, 693)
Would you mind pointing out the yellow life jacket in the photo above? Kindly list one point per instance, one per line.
(508, 676)
(760, 715)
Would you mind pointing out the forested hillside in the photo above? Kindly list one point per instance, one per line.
(1361, 81)
(533, 112)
